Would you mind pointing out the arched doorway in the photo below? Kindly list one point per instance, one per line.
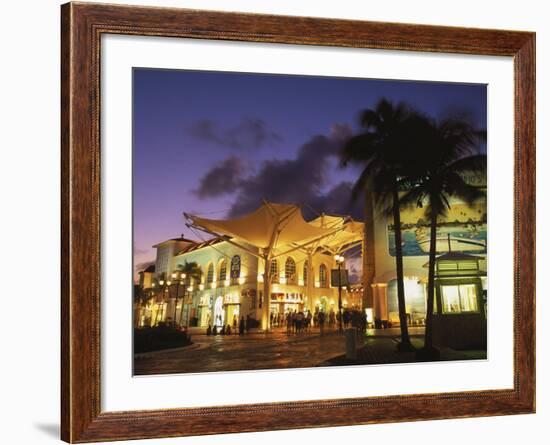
(219, 315)
(323, 305)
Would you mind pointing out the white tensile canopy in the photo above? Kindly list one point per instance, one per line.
(276, 230)
(282, 221)
(349, 235)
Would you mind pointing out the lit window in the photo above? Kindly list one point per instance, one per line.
(223, 271)
(274, 271)
(323, 282)
(290, 271)
(459, 298)
(210, 273)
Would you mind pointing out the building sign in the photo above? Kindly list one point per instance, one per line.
(286, 298)
(231, 299)
(341, 280)
(235, 266)
(464, 229)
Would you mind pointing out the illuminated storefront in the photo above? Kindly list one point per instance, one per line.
(231, 285)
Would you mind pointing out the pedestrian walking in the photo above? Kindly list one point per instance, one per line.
(241, 326)
(322, 323)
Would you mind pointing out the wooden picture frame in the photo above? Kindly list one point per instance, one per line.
(82, 26)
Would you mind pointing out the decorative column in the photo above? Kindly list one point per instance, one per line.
(380, 300)
(383, 300)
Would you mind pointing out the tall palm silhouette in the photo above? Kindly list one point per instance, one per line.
(161, 288)
(446, 152)
(384, 153)
(193, 274)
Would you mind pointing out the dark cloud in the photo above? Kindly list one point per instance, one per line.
(300, 181)
(250, 133)
(341, 132)
(290, 180)
(224, 177)
(337, 201)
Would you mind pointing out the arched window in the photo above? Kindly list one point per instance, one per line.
(323, 282)
(290, 271)
(210, 273)
(274, 271)
(306, 272)
(223, 271)
(235, 271)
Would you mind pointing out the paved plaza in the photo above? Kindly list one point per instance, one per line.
(278, 350)
(274, 350)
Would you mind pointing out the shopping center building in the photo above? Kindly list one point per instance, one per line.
(232, 255)
(232, 261)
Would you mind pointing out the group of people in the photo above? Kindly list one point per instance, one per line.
(297, 322)
(240, 327)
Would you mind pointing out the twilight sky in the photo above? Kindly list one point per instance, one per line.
(215, 143)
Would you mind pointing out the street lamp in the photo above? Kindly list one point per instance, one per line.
(339, 260)
(178, 278)
(162, 290)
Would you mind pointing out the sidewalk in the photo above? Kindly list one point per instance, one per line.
(383, 350)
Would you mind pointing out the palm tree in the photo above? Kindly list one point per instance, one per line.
(447, 151)
(161, 278)
(140, 301)
(385, 155)
(193, 274)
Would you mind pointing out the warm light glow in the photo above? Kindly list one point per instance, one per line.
(226, 283)
(190, 289)
(174, 275)
(168, 283)
(282, 280)
(153, 285)
(242, 280)
(201, 286)
(317, 284)
(161, 282)
(300, 282)
(260, 278)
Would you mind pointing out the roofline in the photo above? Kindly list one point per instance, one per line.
(174, 240)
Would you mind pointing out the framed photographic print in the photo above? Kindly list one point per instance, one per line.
(279, 222)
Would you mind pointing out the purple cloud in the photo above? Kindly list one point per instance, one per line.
(250, 133)
(224, 177)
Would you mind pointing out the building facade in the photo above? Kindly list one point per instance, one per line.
(462, 231)
(231, 285)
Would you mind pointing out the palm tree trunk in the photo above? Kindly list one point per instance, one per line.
(368, 250)
(429, 350)
(183, 303)
(405, 344)
(176, 304)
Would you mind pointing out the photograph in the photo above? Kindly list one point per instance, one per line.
(293, 221)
